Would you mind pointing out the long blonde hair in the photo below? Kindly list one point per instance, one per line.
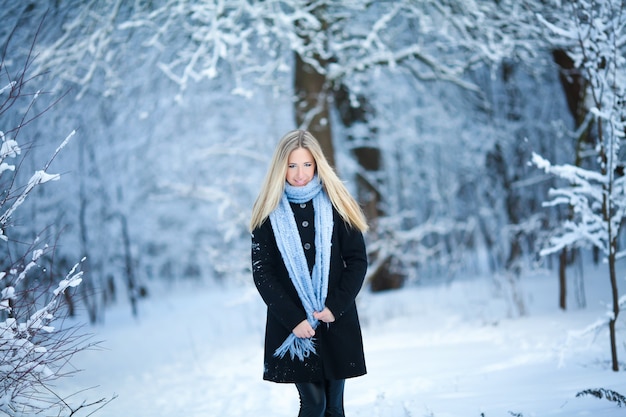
(274, 183)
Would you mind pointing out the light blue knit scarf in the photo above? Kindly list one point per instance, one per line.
(311, 288)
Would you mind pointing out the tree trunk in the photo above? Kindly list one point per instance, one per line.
(502, 182)
(369, 158)
(133, 291)
(313, 91)
(574, 88)
(88, 290)
(312, 114)
(612, 235)
(613, 320)
(563, 279)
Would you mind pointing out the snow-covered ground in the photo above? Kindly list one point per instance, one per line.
(450, 350)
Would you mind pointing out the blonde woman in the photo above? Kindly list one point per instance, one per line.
(308, 263)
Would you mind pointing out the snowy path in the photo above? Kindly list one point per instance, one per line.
(433, 352)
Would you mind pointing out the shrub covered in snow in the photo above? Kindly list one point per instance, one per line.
(33, 352)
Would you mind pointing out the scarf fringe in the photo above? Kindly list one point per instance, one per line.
(300, 348)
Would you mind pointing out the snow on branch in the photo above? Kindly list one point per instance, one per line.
(30, 351)
(33, 352)
(8, 149)
(597, 198)
(73, 279)
(432, 39)
(38, 178)
(592, 35)
(421, 244)
(584, 195)
(85, 47)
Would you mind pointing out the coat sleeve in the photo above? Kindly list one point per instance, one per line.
(354, 257)
(271, 279)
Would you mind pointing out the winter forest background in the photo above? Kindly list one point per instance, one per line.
(483, 139)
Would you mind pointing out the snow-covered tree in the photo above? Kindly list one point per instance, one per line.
(424, 106)
(33, 352)
(321, 53)
(593, 33)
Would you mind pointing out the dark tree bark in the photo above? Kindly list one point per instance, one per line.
(574, 87)
(312, 112)
(563, 279)
(369, 158)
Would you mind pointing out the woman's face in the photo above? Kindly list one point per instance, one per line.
(300, 167)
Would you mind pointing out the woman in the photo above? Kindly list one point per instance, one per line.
(308, 263)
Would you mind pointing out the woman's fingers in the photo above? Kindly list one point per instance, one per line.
(304, 330)
(325, 315)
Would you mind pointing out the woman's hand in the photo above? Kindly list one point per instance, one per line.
(304, 330)
(325, 315)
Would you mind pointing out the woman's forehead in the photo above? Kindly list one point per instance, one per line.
(301, 154)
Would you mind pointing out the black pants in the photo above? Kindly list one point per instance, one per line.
(321, 399)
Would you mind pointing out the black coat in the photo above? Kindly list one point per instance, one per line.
(339, 345)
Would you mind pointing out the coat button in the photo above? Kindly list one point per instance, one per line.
(305, 224)
(303, 205)
(307, 246)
